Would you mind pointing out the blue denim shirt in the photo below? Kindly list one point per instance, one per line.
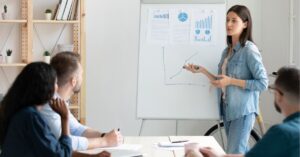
(245, 64)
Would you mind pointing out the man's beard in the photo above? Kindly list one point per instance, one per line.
(277, 107)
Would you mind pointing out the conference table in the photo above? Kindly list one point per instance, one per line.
(148, 145)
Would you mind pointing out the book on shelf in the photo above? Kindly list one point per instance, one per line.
(60, 12)
(67, 10)
(55, 12)
(75, 10)
(70, 12)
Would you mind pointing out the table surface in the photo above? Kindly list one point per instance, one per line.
(149, 146)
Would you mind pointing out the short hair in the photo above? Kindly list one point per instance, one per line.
(288, 78)
(66, 65)
(35, 85)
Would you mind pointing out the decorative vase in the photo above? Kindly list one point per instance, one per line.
(48, 16)
(47, 59)
(8, 59)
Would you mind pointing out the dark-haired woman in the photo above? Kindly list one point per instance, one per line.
(241, 77)
(23, 131)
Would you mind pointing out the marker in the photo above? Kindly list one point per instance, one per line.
(118, 129)
(196, 67)
(180, 141)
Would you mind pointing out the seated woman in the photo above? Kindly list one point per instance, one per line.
(23, 131)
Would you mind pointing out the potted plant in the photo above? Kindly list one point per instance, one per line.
(48, 14)
(4, 14)
(47, 57)
(8, 56)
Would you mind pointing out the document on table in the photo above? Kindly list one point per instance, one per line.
(124, 150)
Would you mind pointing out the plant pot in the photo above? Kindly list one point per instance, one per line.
(8, 59)
(48, 16)
(47, 59)
(4, 16)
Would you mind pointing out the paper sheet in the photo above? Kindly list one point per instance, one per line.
(125, 149)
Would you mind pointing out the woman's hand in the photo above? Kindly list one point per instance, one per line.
(194, 68)
(222, 81)
(60, 107)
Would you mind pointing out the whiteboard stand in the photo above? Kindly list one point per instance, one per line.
(140, 132)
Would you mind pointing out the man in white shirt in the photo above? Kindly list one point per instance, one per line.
(69, 79)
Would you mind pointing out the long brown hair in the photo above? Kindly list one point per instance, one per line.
(244, 13)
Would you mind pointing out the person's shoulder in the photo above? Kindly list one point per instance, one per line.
(250, 47)
(286, 129)
(30, 110)
(25, 113)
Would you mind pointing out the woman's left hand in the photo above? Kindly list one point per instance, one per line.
(222, 81)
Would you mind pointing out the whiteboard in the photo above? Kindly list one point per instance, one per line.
(172, 35)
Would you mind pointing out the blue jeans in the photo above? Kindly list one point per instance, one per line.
(238, 133)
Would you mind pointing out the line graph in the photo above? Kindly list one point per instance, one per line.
(174, 74)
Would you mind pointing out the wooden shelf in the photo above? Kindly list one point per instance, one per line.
(56, 21)
(73, 107)
(13, 21)
(26, 38)
(13, 65)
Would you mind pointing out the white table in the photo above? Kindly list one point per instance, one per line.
(150, 149)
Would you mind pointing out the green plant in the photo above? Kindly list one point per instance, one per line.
(48, 11)
(8, 52)
(46, 53)
(5, 8)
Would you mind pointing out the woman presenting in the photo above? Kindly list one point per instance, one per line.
(241, 77)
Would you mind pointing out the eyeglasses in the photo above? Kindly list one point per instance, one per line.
(272, 88)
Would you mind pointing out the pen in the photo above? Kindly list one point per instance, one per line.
(118, 129)
(181, 141)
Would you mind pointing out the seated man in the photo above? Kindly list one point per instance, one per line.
(281, 140)
(69, 78)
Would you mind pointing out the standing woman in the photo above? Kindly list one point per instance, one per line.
(241, 77)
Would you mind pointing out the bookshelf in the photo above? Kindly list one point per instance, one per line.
(26, 36)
